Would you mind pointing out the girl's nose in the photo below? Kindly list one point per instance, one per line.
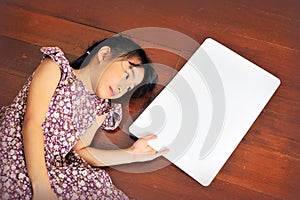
(119, 89)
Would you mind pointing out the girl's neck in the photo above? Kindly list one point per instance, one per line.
(90, 74)
(84, 76)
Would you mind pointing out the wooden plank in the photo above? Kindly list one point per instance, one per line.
(287, 9)
(45, 30)
(193, 18)
(18, 57)
(171, 183)
(10, 86)
(265, 164)
(32, 32)
(278, 173)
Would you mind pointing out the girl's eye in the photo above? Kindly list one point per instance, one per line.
(126, 75)
(133, 64)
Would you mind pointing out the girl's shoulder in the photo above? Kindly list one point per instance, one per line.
(58, 56)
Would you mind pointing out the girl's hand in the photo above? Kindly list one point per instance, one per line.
(42, 192)
(143, 152)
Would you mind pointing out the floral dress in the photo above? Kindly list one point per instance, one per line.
(71, 112)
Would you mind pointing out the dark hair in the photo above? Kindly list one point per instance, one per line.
(126, 48)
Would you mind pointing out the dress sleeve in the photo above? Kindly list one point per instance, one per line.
(113, 117)
(59, 58)
(113, 113)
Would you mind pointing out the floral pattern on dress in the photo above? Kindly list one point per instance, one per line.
(71, 112)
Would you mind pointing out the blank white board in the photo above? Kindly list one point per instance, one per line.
(206, 109)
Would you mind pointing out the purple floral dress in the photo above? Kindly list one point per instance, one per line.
(71, 112)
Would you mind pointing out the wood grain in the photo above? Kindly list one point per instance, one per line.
(266, 163)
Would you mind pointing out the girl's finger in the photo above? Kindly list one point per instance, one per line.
(150, 137)
(162, 152)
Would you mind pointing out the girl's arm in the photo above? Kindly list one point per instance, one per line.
(43, 85)
(140, 151)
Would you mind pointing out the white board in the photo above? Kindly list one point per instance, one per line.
(206, 109)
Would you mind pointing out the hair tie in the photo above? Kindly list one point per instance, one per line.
(88, 52)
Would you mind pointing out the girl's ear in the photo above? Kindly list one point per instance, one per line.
(103, 53)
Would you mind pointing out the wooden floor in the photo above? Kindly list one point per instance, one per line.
(266, 164)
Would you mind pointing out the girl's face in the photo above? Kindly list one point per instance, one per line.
(119, 77)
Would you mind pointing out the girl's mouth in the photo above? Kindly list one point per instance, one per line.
(112, 92)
